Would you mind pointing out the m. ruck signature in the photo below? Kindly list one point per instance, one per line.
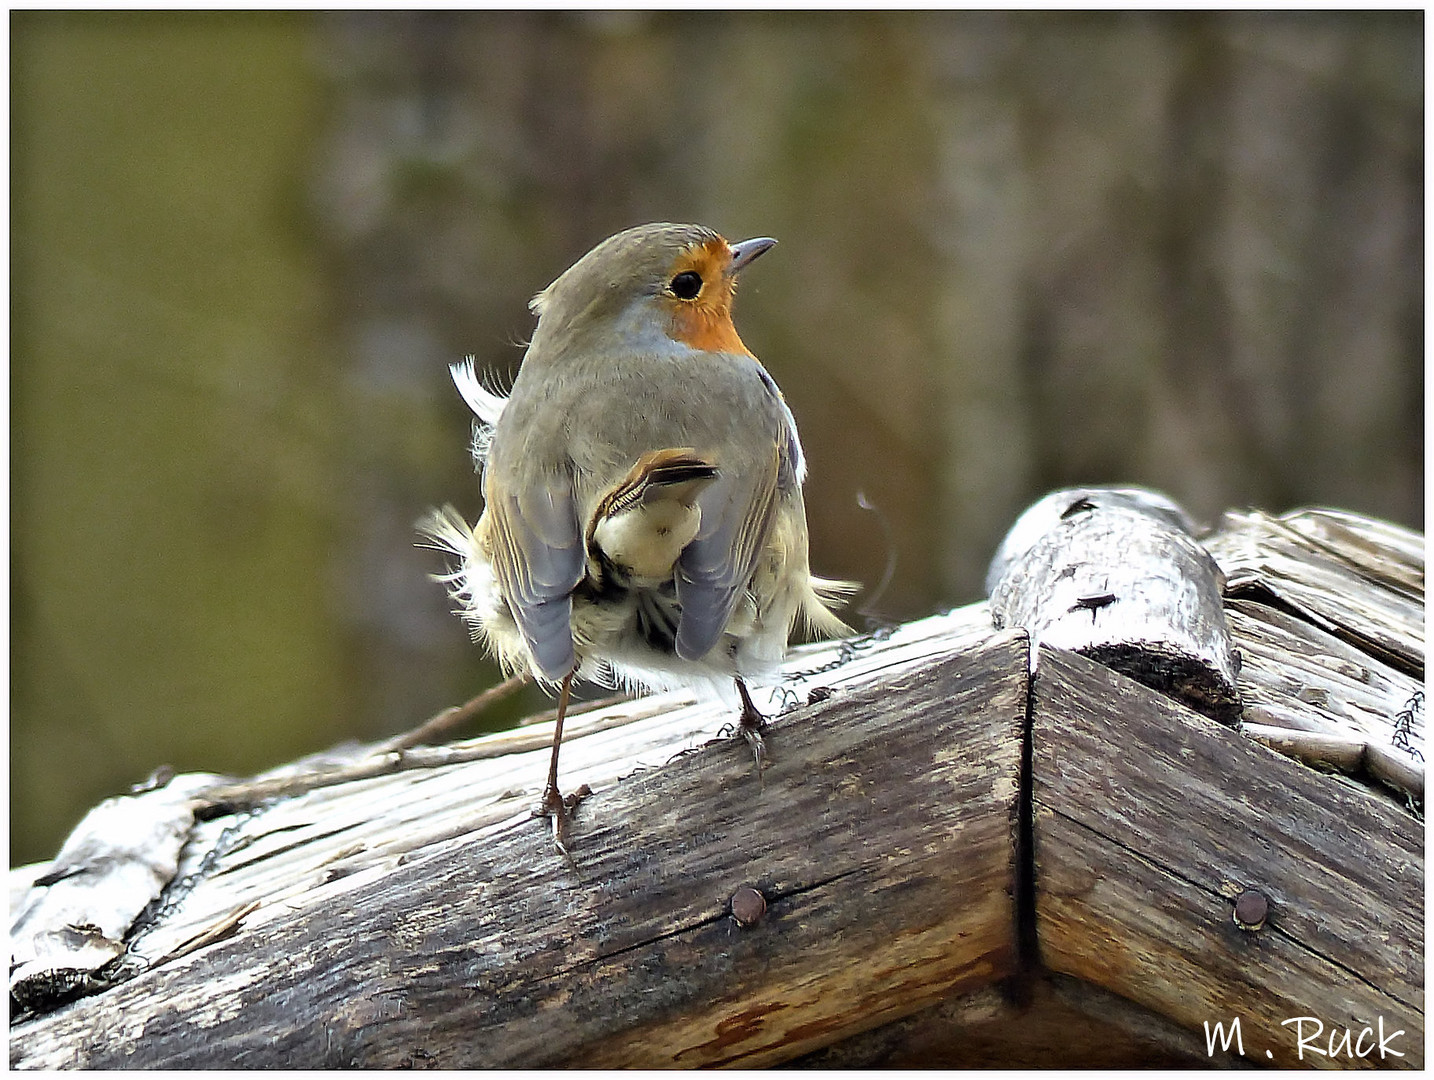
(1310, 1036)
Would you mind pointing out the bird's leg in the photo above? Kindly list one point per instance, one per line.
(751, 724)
(554, 806)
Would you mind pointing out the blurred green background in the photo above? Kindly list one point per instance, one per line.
(1019, 250)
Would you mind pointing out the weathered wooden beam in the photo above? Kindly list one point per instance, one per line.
(882, 839)
(1314, 696)
(1149, 822)
(1387, 554)
(1116, 574)
(871, 900)
(310, 830)
(1338, 579)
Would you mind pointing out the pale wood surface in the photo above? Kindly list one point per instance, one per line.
(1300, 679)
(1328, 612)
(1117, 575)
(1326, 576)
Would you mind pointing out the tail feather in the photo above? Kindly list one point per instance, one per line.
(487, 405)
(817, 606)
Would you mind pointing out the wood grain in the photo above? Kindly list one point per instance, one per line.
(1149, 820)
(1049, 1021)
(389, 907)
(1334, 587)
(1327, 695)
(882, 838)
(1382, 551)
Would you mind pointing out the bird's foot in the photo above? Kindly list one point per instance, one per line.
(751, 725)
(560, 809)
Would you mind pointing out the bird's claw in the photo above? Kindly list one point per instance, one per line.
(751, 723)
(751, 726)
(560, 809)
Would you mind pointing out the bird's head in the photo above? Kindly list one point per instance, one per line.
(646, 284)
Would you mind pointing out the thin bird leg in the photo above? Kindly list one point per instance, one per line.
(554, 806)
(751, 724)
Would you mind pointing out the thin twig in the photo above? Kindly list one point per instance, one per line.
(244, 794)
(576, 709)
(429, 731)
(382, 758)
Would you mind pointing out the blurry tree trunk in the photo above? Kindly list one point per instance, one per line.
(984, 198)
(1019, 251)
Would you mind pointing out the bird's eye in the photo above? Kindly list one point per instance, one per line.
(686, 285)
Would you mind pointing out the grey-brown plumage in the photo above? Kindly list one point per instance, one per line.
(643, 517)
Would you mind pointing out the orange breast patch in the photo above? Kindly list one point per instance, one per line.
(705, 328)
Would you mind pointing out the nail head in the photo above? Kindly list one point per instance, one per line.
(1251, 910)
(748, 906)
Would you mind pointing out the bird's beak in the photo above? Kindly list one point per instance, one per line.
(748, 250)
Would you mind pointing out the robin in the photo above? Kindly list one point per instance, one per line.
(643, 522)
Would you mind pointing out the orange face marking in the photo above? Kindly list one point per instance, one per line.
(705, 322)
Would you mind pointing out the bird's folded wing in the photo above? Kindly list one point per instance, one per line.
(717, 566)
(538, 560)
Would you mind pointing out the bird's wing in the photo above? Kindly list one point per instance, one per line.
(792, 462)
(538, 560)
(716, 567)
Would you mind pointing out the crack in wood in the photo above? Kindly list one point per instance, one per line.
(1028, 946)
(303, 841)
(713, 920)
